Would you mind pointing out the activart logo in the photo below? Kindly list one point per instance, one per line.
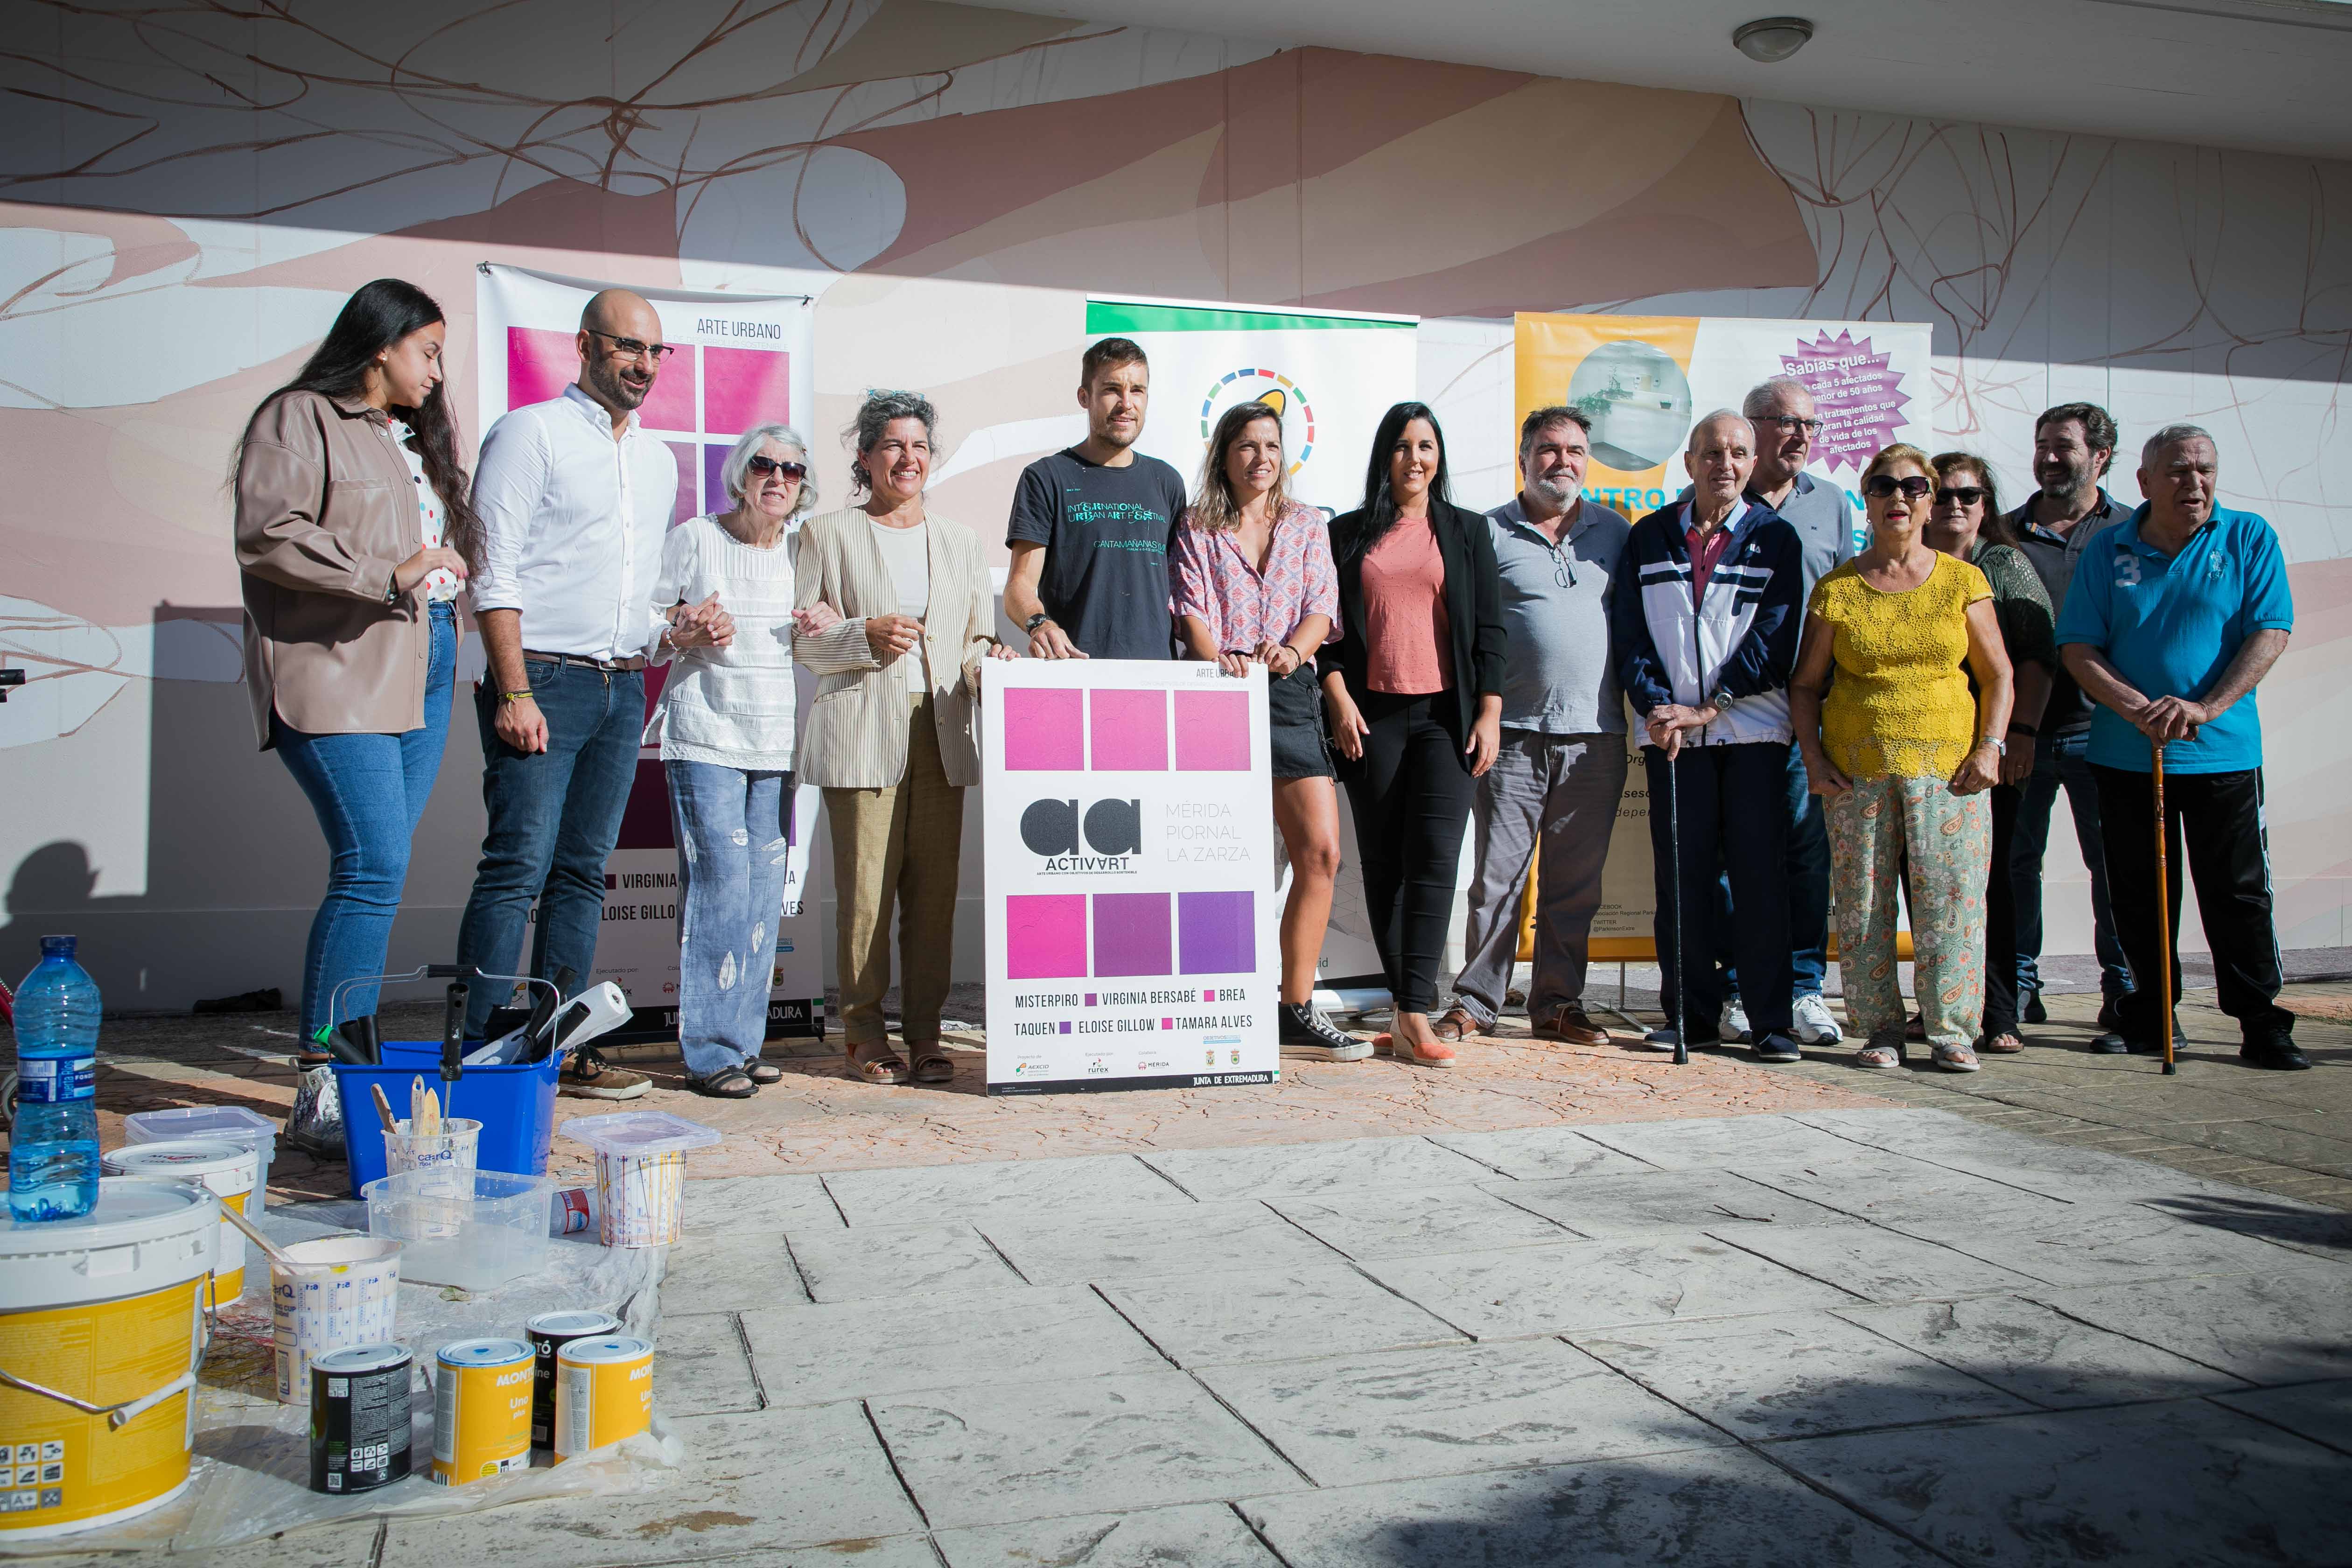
(1278, 393)
(1113, 829)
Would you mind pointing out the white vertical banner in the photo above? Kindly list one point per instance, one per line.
(1127, 809)
(741, 360)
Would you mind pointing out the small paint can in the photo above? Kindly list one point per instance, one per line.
(550, 1332)
(481, 1410)
(359, 1417)
(574, 1211)
(604, 1393)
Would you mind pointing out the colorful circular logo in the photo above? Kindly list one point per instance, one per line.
(1254, 383)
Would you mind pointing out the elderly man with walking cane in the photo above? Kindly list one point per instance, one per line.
(2173, 616)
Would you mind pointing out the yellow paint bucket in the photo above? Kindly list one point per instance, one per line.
(481, 1410)
(101, 1331)
(604, 1393)
(231, 1171)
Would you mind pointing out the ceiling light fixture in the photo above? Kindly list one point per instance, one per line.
(1769, 40)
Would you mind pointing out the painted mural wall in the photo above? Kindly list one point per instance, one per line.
(188, 192)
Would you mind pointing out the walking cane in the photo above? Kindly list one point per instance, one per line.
(2163, 913)
(1674, 844)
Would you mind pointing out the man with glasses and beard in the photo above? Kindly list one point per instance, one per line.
(2073, 446)
(1561, 768)
(574, 498)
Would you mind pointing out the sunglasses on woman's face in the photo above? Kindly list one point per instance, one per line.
(1913, 487)
(1959, 495)
(764, 466)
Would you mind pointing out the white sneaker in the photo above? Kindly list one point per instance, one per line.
(1815, 1025)
(1733, 1030)
(1661, 1038)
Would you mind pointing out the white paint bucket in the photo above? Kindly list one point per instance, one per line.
(231, 1171)
(339, 1292)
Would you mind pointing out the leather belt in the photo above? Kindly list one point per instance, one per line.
(610, 666)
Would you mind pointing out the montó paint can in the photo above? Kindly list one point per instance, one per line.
(550, 1332)
(604, 1393)
(359, 1417)
(481, 1410)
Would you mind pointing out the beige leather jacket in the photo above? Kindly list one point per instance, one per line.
(326, 508)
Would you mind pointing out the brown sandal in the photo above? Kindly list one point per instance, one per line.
(876, 1063)
(1456, 1027)
(932, 1065)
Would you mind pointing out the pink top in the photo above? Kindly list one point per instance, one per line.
(1706, 555)
(1209, 577)
(1408, 638)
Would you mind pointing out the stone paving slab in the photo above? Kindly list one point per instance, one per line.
(1539, 1153)
(1198, 1239)
(1069, 1446)
(1273, 1314)
(1876, 1185)
(1876, 1265)
(1657, 1201)
(1398, 1415)
(2039, 1353)
(730, 1271)
(701, 1366)
(1701, 1507)
(327, 1546)
(1405, 1224)
(931, 1194)
(1204, 1535)
(2319, 1411)
(2283, 1327)
(854, 1350)
(888, 1261)
(725, 1204)
(2101, 1244)
(1733, 1144)
(1304, 1169)
(2185, 1482)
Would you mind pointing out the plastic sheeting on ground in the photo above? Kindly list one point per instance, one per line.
(252, 1468)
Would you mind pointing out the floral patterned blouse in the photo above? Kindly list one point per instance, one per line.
(1209, 577)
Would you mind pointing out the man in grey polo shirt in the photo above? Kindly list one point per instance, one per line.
(1557, 780)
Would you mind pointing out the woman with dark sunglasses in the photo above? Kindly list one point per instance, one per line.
(725, 727)
(1966, 524)
(1902, 755)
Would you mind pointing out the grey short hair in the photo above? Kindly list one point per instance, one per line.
(1765, 394)
(1543, 419)
(1733, 415)
(874, 417)
(2172, 436)
(739, 462)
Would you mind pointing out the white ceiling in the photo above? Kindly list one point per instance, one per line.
(2269, 75)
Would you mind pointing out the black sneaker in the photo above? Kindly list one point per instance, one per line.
(2277, 1052)
(1305, 1034)
(2036, 1013)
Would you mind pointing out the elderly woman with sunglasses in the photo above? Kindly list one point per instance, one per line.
(1903, 756)
(725, 727)
(1967, 523)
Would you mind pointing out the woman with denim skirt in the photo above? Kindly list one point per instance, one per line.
(351, 528)
(725, 727)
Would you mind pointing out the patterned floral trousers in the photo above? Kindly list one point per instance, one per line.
(1875, 828)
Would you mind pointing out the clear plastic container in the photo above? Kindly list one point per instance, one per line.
(473, 1229)
(640, 1171)
(457, 1147)
(216, 1123)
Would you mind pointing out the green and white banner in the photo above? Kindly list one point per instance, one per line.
(1329, 373)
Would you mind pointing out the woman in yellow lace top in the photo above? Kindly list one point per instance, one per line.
(1903, 755)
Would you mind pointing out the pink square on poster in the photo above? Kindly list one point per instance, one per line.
(1127, 730)
(1045, 936)
(1212, 732)
(670, 405)
(540, 364)
(743, 387)
(1043, 729)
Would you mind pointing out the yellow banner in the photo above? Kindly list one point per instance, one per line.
(1630, 377)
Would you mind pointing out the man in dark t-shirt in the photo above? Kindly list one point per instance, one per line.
(1091, 525)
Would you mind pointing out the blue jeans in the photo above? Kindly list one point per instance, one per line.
(555, 817)
(2058, 760)
(369, 792)
(734, 835)
(1809, 892)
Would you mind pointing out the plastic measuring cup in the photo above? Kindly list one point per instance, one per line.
(454, 1148)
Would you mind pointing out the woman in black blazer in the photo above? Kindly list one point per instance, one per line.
(1413, 689)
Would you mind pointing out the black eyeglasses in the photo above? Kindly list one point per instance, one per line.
(1913, 486)
(630, 348)
(1959, 495)
(764, 466)
(1790, 422)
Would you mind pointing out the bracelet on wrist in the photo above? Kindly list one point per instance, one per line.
(2020, 727)
(523, 695)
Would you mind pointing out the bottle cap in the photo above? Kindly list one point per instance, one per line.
(57, 947)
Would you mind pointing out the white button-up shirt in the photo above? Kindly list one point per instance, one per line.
(571, 527)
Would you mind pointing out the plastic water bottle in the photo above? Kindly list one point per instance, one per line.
(53, 1146)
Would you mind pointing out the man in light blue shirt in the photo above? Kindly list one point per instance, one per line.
(2173, 616)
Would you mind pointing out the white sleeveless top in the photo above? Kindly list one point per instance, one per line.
(733, 705)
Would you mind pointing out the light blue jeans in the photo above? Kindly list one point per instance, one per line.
(734, 835)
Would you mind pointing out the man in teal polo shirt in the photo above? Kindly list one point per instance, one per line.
(2173, 616)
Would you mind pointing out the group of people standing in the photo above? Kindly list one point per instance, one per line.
(1809, 711)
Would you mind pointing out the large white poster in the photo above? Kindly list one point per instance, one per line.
(741, 360)
(1127, 806)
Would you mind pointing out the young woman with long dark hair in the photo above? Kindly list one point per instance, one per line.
(1413, 691)
(352, 524)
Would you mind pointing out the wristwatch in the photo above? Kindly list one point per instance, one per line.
(1722, 700)
(1033, 621)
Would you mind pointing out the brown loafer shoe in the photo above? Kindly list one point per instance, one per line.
(1568, 1022)
(1456, 1027)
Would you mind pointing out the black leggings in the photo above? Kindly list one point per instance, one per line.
(2000, 919)
(1411, 797)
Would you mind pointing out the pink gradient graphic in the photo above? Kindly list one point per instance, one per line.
(1043, 729)
(670, 405)
(1128, 730)
(1212, 732)
(540, 364)
(743, 387)
(1860, 395)
(683, 506)
(1045, 936)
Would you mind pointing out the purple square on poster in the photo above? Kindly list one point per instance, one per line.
(1045, 936)
(1090, 998)
(1212, 732)
(1044, 729)
(714, 478)
(1128, 730)
(1130, 934)
(684, 506)
(1217, 933)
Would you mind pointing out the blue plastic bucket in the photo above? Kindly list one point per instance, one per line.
(515, 1105)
